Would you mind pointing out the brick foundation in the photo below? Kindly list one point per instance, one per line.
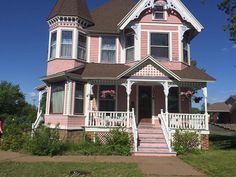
(205, 142)
(71, 135)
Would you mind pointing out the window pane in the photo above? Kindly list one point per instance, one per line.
(108, 56)
(129, 54)
(109, 43)
(79, 99)
(53, 45)
(129, 41)
(160, 52)
(185, 51)
(159, 15)
(81, 53)
(82, 46)
(159, 39)
(66, 44)
(107, 101)
(57, 98)
(82, 40)
(173, 100)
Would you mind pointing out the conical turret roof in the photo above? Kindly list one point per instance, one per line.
(77, 8)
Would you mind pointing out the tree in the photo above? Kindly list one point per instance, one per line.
(229, 8)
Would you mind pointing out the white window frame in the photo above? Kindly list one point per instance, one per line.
(128, 48)
(158, 11)
(76, 98)
(169, 46)
(100, 49)
(49, 45)
(84, 48)
(72, 43)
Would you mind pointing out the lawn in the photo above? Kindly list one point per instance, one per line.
(12, 169)
(219, 161)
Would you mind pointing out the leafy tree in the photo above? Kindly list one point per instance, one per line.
(229, 8)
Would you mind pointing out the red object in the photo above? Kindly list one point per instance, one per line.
(1, 126)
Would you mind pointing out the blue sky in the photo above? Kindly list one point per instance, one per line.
(24, 40)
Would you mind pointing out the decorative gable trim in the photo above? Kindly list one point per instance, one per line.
(149, 67)
(177, 5)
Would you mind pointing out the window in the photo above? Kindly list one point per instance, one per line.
(129, 45)
(107, 98)
(108, 50)
(82, 44)
(185, 51)
(66, 44)
(53, 45)
(79, 99)
(159, 13)
(173, 100)
(57, 98)
(160, 45)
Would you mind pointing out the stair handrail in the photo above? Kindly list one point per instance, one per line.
(37, 122)
(165, 128)
(135, 131)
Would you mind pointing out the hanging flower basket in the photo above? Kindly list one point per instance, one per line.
(187, 94)
(108, 93)
(197, 99)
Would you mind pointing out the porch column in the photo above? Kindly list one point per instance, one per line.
(87, 88)
(205, 94)
(128, 87)
(40, 94)
(69, 98)
(166, 92)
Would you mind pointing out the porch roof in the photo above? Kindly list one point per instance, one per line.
(219, 107)
(99, 71)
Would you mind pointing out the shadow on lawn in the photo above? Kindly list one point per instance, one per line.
(223, 142)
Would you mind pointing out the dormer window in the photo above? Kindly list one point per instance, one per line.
(159, 13)
(53, 45)
(82, 45)
(66, 44)
(129, 47)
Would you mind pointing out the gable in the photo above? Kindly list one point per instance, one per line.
(175, 5)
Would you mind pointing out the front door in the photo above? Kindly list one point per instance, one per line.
(145, 103)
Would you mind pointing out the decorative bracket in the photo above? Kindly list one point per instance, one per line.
(128, 86)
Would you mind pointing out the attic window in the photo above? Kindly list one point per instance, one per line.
(159, 12)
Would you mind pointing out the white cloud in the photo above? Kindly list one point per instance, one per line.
(234, 46)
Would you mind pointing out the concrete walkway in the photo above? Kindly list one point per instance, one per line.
(150, 166)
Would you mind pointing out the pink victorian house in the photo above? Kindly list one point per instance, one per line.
(124, 64)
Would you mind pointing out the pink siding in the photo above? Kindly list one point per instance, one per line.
(175, 46)
(185, 102)
(122, 99)
(157, 27)
(144, 44)
(59, 65)
(94, 49)
(159, 103)
(67, 121)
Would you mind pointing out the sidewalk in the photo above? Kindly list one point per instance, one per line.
(150, 166)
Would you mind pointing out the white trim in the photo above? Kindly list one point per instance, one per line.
(99, 48)
(160, 24)
(58, 49)
(63, 127)
(159, 31)
(170, 46)
(75, 44)
(88, 48)
(117, 50)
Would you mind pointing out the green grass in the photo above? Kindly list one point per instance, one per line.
(219, 161)
(13, 169)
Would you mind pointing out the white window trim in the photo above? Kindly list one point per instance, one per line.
(49, 44)
(170, 42)
(182, 53)
(73, 46)
(86, 48)
(165, 16)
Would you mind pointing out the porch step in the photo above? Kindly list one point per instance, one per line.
(152, 141)
(156, 154)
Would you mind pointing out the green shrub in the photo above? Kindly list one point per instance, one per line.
(45, 142)
(186, 142)
(119, 142)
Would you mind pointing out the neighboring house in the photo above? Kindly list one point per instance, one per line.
(224, 112)
(124, 64)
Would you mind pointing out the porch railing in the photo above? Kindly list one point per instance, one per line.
(37, 122)
(109, 119)
(166, 129)
(188, 121)
(135, 131)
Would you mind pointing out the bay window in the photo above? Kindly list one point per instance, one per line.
(57, 98)
(160, 45)
(53, 44)
(82, 45)
(79, 99)
(107, 99)
(66, 44)
(129, 47)
(108, 53)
